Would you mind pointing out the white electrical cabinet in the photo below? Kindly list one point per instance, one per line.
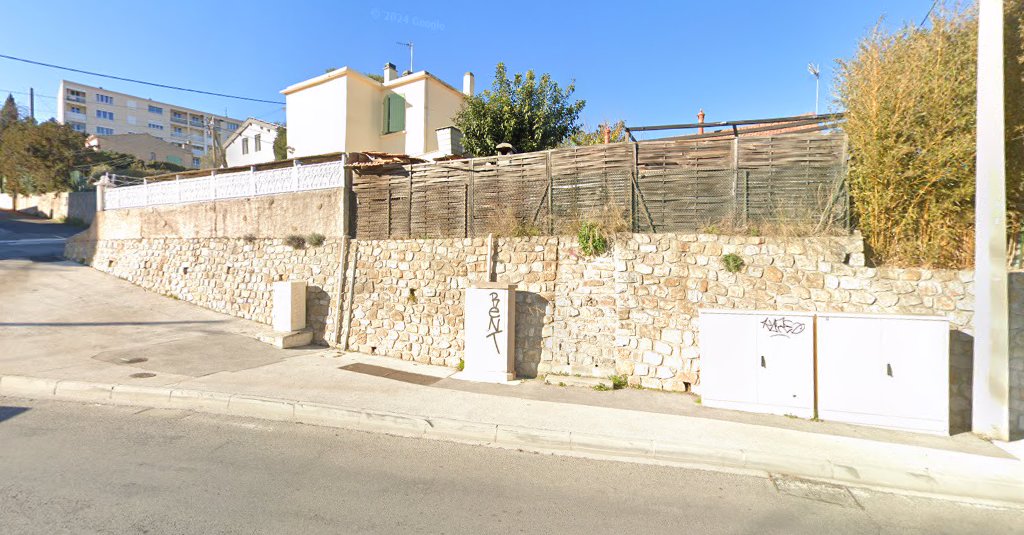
(758, 361)
(884, 371)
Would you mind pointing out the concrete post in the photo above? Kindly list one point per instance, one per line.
(991, 395)
(101, 191)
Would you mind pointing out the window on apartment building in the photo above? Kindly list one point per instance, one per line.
(232, 127)
(156, 126)
(245, 145)
(78, 127)
(75, 109)
(394, 114)
(104, 99)
(178, 131)
(156, 109)
(104, 131)
(256, 143)
(103, 114)
(76, 96)
(196, 162)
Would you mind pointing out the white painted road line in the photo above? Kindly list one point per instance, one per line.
(36, 241)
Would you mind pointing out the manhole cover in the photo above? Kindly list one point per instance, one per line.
(142, 375)
(133, 360)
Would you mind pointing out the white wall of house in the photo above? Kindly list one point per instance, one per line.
(242, 148)
(344, 111)
(316, 115)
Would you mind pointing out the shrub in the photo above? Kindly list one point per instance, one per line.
(910, 100)
(592, 241)
(316, 239)
(249, 238)
(619, 382)
(295, 241)
(733, 262)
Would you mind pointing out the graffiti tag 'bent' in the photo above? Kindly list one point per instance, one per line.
(782, 326)
(494, 326)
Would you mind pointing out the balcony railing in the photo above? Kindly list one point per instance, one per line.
(73, 98)
(179, 120)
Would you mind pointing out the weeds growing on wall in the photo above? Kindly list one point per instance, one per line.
(592, 240)
(316, 239)
(295, 241)
(733, 263)
(910, 116)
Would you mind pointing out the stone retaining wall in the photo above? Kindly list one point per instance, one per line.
(228, 275)
(631, 311)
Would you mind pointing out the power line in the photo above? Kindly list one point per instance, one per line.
(928, 14)
(50, 65)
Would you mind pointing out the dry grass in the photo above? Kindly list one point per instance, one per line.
(910, 101)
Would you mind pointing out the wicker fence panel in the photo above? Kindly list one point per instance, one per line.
(654, 186)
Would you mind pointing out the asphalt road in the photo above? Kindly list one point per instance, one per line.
(24, 236)
(75, 468)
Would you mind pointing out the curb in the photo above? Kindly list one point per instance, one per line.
(985, 480)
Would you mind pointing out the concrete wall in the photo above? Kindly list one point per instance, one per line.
(271, 216)
(77, 204)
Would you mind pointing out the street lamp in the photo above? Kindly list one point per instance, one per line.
(816, 73)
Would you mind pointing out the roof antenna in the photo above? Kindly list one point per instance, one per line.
(409, 44)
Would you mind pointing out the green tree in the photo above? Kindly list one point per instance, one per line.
(281, 144)
(530, 113)
(596, 137)
(9, 113)
(39, 158)
(910, 100)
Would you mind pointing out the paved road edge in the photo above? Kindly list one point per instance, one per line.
(985, 480)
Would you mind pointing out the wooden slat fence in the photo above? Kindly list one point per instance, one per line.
(650, 186)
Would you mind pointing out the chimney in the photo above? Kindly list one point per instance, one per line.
(449, 141)
(468, 81)
(607, 134)
(390, 72)
(700, 120)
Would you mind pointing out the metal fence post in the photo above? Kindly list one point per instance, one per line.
(471, 204)
(737, 212)
(634, 181)
(551, 193)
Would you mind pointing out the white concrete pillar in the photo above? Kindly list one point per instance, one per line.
(289, 312)
(101, 191)
(991, 394)
(490, 332)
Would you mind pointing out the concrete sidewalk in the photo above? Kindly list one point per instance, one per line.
(71, 333)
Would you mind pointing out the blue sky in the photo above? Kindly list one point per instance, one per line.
(645, 62)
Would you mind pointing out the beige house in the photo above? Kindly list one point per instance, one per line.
(144, 147)
(252, 143)
(347, 111)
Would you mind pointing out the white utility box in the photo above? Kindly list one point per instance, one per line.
(884, 371)
(289, 311)
(758, 361)
(490, 332)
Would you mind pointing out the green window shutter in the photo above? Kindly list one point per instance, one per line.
(395, 120)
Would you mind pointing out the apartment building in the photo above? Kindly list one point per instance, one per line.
(94, 110)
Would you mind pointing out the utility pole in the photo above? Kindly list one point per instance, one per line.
(991, 389)
(32, 103)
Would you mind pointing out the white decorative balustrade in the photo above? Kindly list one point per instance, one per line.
(251, 183)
